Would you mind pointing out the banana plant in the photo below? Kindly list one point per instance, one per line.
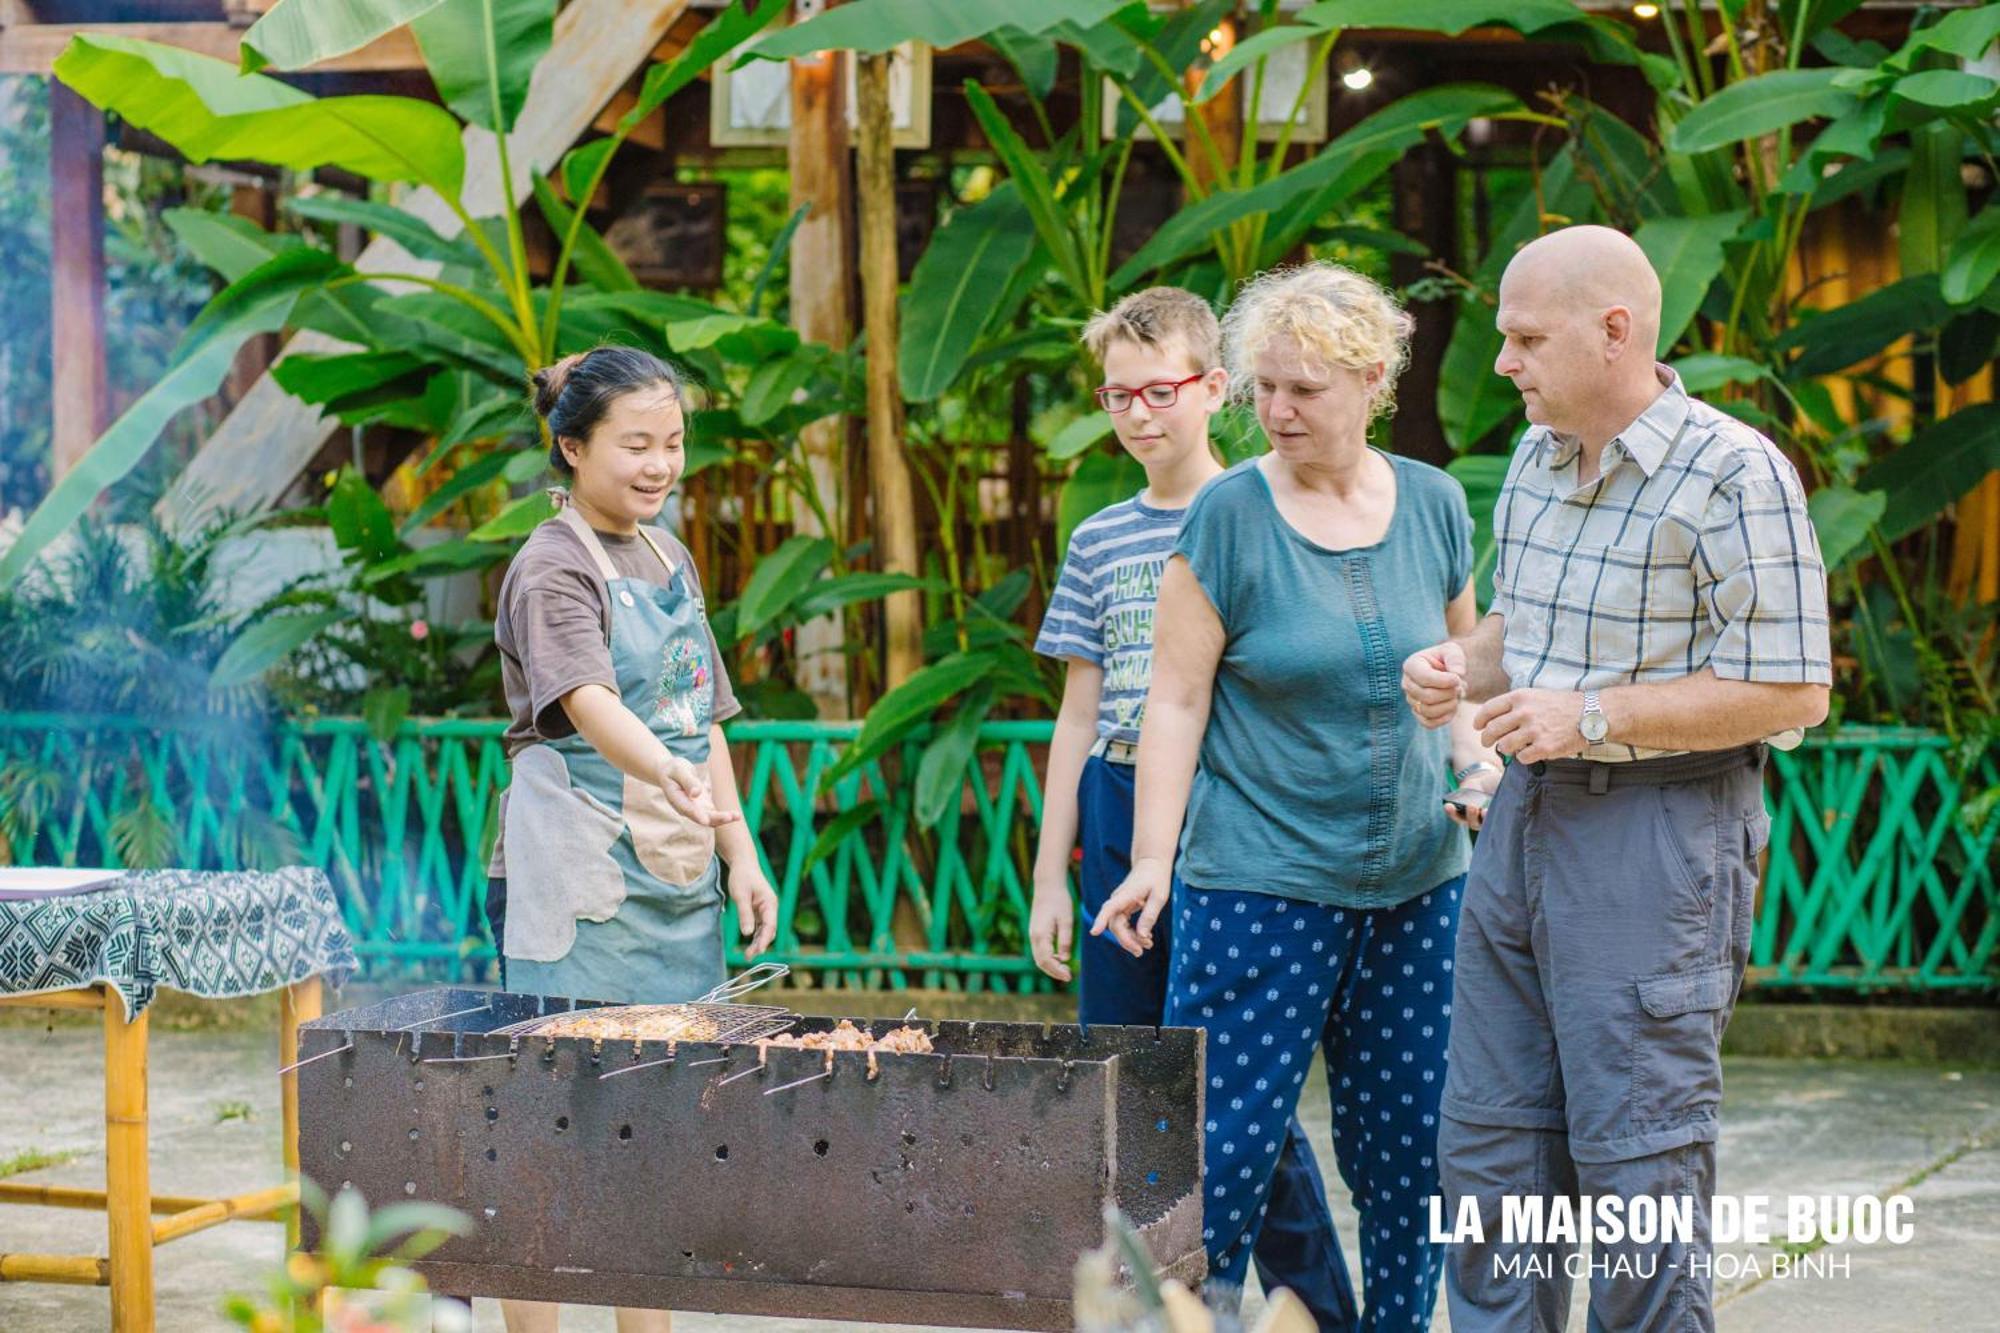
(443, 343)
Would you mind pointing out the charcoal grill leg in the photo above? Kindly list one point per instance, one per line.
(300, 1002)
(128, 1193)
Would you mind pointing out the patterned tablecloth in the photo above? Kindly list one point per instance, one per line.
(211, 933)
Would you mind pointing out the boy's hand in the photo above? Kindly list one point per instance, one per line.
(1051, 922)
(1145, 891)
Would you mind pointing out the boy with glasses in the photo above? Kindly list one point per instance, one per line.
(1161, 350)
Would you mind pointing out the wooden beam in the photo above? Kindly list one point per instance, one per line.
(269, 437)
(822, 284)
(32, 48)
(895, 516)
(78, 387)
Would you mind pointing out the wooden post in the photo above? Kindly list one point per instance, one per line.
(78, 385)
(895, 516)
(822, 283)
(1222, 117)
(298, 1003)
(128, 1201)
(259, 204)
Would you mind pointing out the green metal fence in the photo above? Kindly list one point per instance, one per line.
(1875, 880)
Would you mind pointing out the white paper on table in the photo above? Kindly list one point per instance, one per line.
(27, 882)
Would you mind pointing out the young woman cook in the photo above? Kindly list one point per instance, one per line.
(622, 794)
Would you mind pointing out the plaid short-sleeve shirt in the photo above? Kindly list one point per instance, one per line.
(1692, 549)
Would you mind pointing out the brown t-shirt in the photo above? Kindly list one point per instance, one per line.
(554, 626)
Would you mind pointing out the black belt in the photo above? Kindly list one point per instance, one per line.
(1648, 772)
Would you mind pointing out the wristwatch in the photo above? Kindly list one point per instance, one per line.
(1593, 724)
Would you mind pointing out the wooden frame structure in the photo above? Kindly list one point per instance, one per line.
(127, 1199)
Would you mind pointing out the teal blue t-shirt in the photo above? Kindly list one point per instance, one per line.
(1316, 781)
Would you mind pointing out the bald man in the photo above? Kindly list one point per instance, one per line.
(1658, 618)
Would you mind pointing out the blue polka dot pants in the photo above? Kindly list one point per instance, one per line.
(1270, 978)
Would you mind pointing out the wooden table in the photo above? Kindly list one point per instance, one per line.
(127, 1200)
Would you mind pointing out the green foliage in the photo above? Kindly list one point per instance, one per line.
(1754, 144)
(366, 1255)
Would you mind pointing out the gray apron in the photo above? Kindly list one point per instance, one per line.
(613, 894)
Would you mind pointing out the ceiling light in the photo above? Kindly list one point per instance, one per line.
(1645, 10)
(1358, 78)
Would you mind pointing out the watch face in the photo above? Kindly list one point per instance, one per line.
(1593, 727)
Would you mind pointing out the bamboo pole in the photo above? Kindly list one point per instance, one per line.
(822, 280)
(300, 1002)
(258, 1203)
(895, 518)
(127, 1174)
(71, 1269)
(68, 1196)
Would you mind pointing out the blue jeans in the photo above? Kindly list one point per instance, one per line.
(1272, 979)
(1297, 1247)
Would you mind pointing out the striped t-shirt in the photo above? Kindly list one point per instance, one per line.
(1102, 610)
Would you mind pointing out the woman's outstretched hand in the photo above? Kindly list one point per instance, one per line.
(687, 791)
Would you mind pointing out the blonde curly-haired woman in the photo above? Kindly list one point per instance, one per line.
(1320, 863)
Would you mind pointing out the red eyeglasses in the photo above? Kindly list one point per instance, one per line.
(1159, 395)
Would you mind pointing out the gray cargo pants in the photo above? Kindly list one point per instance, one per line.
(1604, 931)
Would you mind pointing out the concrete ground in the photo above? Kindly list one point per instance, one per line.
(1792, 1127)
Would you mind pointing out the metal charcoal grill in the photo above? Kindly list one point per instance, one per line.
(956, 1187)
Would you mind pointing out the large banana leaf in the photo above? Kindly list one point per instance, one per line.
(950, 300)
(399, 225)
(1759, 106)
(327, 379)
(230, 245)
(1481, 475)
(596, 262)
(1933, 207)
(1473, 402)
(209, 112)
(723, 34)
(1038, 190)
(1550, 20)
(881, 25)
(1687, 254)
(481, 54)
(259, 303)
(1446, 16)
(295, 33)
(1393, 129)
(1975, 259)
(1837, 338)
(1841, 516)
(899, 711)
(1935, 468)
(779, 580)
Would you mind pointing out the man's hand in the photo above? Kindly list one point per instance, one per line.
(1434, 682)
(1533, 725)
(756, 907)
(687, 791)
(1145, 891)
(1051, 923)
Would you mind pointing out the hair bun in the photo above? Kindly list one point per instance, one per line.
(550, 380)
